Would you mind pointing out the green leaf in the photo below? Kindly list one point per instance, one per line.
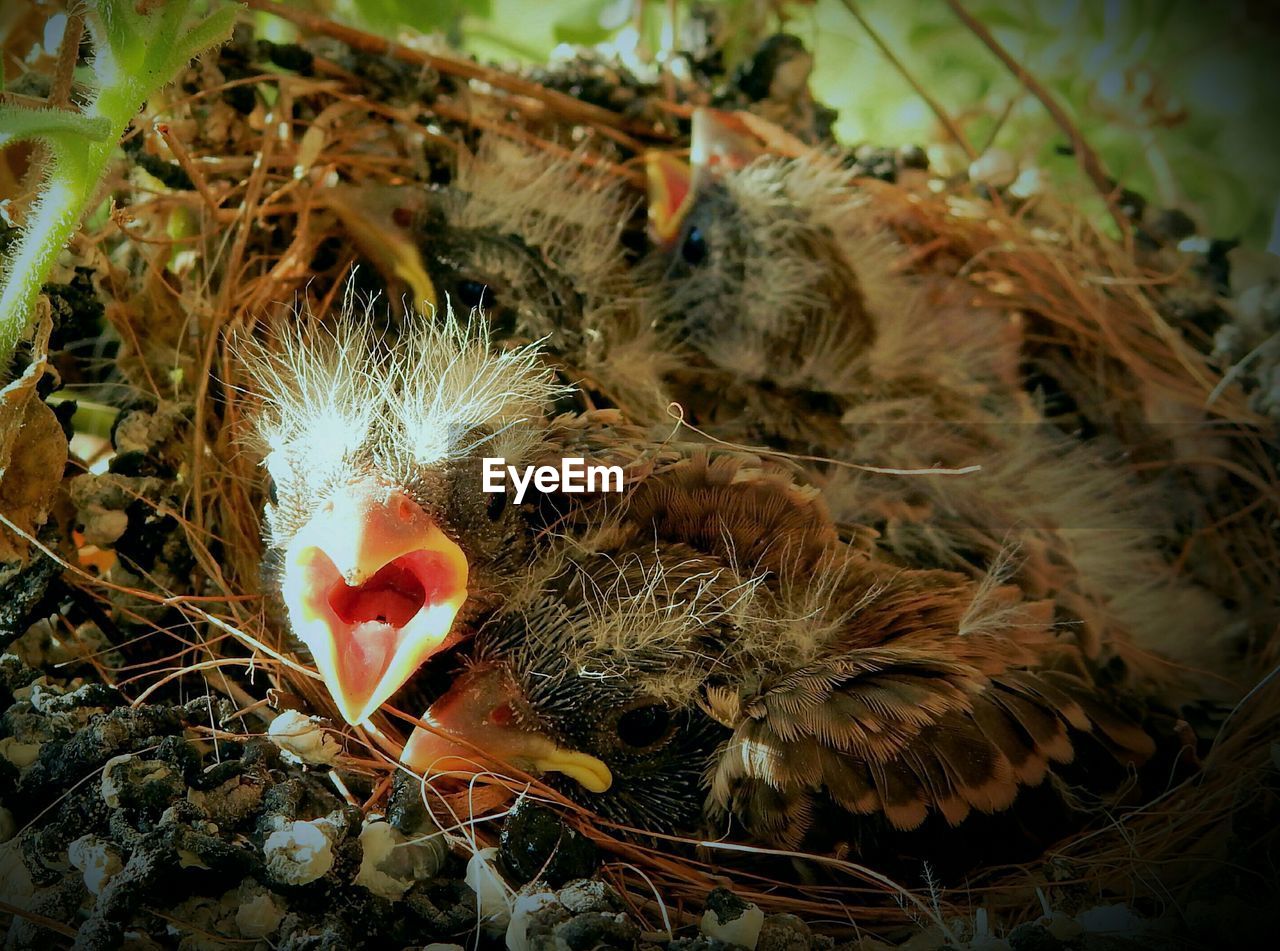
(22, 122)
(142, 53)
(580, 24)
(214, 30)
(115, 25)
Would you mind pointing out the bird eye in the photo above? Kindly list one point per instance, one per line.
(272, 494)
(694, 249)
(471, 294)
(502, 714)
(644, 726)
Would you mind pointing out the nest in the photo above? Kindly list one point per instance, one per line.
(227, 226)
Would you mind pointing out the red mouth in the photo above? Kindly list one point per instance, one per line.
(368, 638)
(393, 595)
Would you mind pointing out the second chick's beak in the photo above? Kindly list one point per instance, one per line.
(720, 144)
(479, 709)
(372, 586)
(670, 195)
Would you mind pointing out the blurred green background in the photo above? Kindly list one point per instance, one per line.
(1180, 98)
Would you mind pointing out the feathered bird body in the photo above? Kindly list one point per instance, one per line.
(727, 658)
(806, 339)
(382, 543)
(711, 646)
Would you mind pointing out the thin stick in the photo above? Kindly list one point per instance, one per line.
(68, 53)
(369, 43)
(1001, 120)
(192, 169)
(59, 98)
(1087, 158)
(41, 920)
(459, 114)
(676, 412)
(947, 123)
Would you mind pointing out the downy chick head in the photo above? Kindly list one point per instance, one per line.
(591, 672)
(664, 674)
(760, 263)
(535, 243)
(558, 686)
(378, 529)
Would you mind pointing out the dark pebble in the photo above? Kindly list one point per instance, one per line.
(726, 905)
(1172, 224)
(242, 99)
(701, 943)
(20, 593)
(405, 809)
(592, 930)
(1030, 936)
(1132, 204)
(288, 56)
(589, 894)
(784, 933)
(1217, 265)
(14, 674)
(303, 933)
(913, 156)
(77, 311)
(445, 906)
(535, 844)
(136, 464)
(170, 174)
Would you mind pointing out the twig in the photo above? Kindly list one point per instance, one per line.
(68, 53)
(676, 412)
(947, 123)
(1234, 372)
(184, 161)
(1000, 121)
(59, 98)
(518, 134)
(369, 43)
(44, 922)
(1088, 159)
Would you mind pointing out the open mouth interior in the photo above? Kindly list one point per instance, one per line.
(367, 638)
(392, 596)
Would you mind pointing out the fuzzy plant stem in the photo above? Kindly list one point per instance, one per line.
(138, 48)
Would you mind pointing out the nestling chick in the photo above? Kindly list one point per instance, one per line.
(781, 284)
(710, 651)
(382, 541)
(804, 338)
(534, 243)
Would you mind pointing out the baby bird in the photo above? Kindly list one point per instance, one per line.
(381, 539)
(802, 337)
(771, 313)
(708, 652)
(780, 283)
(535, 244)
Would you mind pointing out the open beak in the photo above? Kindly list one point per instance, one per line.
(479, 710)
(720, 142)
(372, 586)
(670, 194)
